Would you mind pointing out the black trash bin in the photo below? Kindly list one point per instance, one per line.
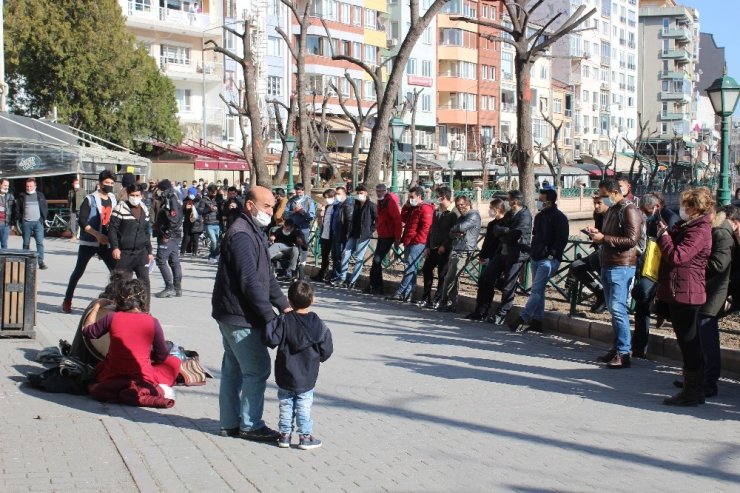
(17, 293)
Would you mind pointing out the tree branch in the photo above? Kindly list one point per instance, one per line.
(285, 37)
(372, 73)
(536, 35)
(225, 52)
(479, 22)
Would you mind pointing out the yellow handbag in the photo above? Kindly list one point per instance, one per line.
(651, 265)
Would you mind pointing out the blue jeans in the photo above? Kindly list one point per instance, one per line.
(355, 247)
(4, 231)
(616, 281)
(245, 369)
(35, 228)
(298, 407)
(213, 230)
(411, 256)
(542, 271)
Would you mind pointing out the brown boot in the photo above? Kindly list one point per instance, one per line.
(692, 393)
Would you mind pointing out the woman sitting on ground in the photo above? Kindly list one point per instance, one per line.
(138, 351)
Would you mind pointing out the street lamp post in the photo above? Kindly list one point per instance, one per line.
(451, 164)
(397, 128)
(724, 93)
(290, 145)
(486, 140)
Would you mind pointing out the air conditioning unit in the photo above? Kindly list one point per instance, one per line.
(392, 42)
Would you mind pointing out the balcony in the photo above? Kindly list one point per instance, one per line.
(675, 96)
(508, 107)
(175, 21)
(193, 114)
(675, 74)
(681, 34)
(190, 71)
(674, 116)
(680, 55)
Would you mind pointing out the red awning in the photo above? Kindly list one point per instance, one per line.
(214, 165)
(596, 173)
(208, 157)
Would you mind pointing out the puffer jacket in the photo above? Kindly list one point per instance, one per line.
(465, 232)
(622, 230)
(685, 255)
(417, 221)
(719, 266)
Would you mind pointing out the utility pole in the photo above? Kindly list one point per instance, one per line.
(3, 85)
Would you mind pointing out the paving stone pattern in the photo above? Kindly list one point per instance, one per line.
(411, 401)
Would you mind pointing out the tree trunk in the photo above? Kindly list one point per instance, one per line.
(262, 176)
(306, 152)
(525, 158)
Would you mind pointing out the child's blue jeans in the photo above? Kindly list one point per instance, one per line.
(295, 406)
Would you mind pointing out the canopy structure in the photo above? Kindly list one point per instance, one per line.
(31, 147)
(210, 157)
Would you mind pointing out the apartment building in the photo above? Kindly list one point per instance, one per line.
(561, 112)
(420, 75)
(603, 72)
(668, 62)
(174, 33)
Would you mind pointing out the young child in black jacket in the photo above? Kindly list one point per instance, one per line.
(303, 342)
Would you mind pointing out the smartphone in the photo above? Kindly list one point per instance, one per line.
(586, 232)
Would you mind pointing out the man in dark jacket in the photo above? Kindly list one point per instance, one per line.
(514, 234)
(550, 236)
(231, 207)
(438, 246)
(169, 234)
(464, 236)
(7, 212)
(128, 234)
(341, 225)
(94, 219)
(209, 211)
(75, 196)
(326, 237)
(361, 230)
(244, 295)
(389, 233)
(287, 242)
(31, 210)
(652, 205)
(618, 254)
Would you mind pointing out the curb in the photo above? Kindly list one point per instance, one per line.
(659, 346)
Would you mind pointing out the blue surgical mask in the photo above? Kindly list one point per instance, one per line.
(607, 201)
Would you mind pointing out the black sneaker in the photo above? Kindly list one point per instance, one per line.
(263, 434)
(229, 432)
(284, 440)
(519, 325)
(607, 357)
(43, 266)
(474, 316)
(535, 325)
(309, 442)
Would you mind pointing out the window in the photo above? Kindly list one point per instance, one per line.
(492, 103)
(394, 31)
(371, 18)
(492, 73)
(345, 19)
(183, 100)
(371, 54)
(586, 96)
(143, 5)
(273, 8)
(274, 46)
(347, 48)
(507, 65)
(411, 66)
(370, 90)
(356, 15)
(543, 71)
(175, 54)
(315, 45)
(426, 102)
(357, 49)
(230, 126)
(426, 68)
(274, 84)
(427, 36)
(450, 37)
(557, 105)
(344, 86)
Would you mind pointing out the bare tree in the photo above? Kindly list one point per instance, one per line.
(297, 49)
(358, 119)
(636, 145)
(411, 104)
(528, 48)
(283, 129)
(248, 105)
(387, 93)
(556, 163)
(320, 131)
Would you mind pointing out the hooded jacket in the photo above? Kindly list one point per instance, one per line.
(417, 221)
(389, 218)
(303, 342)
(719, 266)
(685, 255)
(169, 214)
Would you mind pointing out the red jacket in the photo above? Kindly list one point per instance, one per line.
(685, 254)
(417, 221)
(389, 218)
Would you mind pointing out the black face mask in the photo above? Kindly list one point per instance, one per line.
(108, 188)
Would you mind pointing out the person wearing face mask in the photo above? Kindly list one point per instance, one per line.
(129, 238)
(417, 217)
(389, 233)
(95, 214)
(302, 209)
(341, 224)
(192, 224)
(653, 207)
(244, 295)
(618, 239)
(361, 230)
(549, 238)
(325, 220)
(685, 253)
(625, 187)
(75, 196)
(438, 246)
(287, 243)
(281, 202)
(514, 233)
(169, 233)
(31, 209)
(7, 212)
(208, 209)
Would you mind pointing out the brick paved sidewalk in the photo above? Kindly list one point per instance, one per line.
(411, 401)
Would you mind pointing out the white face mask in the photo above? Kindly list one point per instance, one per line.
(413, 202)
(287, 232)
(539, 204)
(329, 200)
(341, 198)
(76, 186)
(623, 191)
(491, 213)
(361, 197)
(263, 219)
(683, 214)
(134, 201)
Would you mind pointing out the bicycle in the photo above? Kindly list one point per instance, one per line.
(57, 225)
